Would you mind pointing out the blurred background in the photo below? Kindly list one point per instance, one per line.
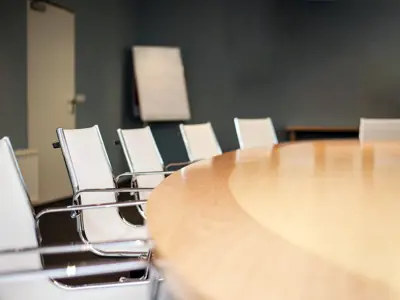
(310, 63)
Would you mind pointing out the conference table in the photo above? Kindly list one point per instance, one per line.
(304, 220)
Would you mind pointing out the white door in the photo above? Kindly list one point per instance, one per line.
(51, 87)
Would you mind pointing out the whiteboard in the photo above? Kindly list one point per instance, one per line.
(161, 85)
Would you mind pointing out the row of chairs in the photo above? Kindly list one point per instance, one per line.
(95, 206)
(22, 273)
(201, 142)
(94, 183)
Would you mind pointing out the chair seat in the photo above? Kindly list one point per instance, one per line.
(115, 231)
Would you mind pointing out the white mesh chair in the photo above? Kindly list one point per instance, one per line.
(146, 166)
(200, 141)
(254, 133)
(144, 160)
(379, 130)
(93, 184)
(18, 231)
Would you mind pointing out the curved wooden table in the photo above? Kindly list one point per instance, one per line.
(310, 220)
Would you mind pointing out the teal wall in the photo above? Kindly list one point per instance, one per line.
(300, 62)
(13, 71)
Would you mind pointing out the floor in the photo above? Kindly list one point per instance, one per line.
(61, 229)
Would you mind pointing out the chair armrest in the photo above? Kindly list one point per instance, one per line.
(136, 174)
(110, 190)
(56, 145)
(78, 270)
(85, 269)
(71, 248)
(179, 164)
(95, 206)
(76, 208)
(88, 207)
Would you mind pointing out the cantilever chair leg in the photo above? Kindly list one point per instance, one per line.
(24, 276)
(78, 208)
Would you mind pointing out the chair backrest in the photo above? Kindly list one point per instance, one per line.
(254, 133)
(142, 155)
(17, 224)
(89, 168)
(200, 141)
(379, 129)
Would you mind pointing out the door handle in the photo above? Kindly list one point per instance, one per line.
(79, 98)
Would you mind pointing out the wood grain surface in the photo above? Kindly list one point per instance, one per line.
(308, 220)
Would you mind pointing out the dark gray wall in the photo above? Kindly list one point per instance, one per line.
(300, 62)
(13, 72)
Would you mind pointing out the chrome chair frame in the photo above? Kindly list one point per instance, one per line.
(48, 251)
(75, 271)
(133, 175)
(77, 205)
(75, 210)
